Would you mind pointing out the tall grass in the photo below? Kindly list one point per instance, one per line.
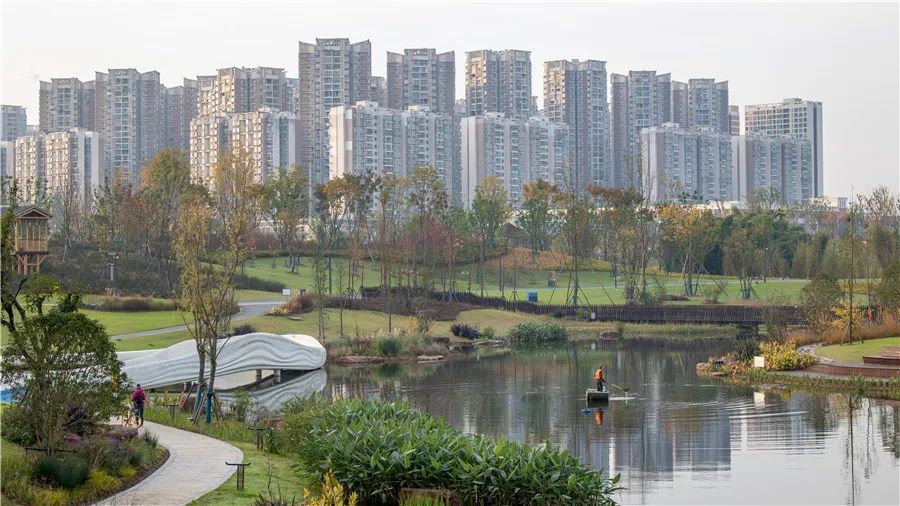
(887, 328)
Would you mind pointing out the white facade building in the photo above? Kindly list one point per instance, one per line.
(29, 166)
(640, 100)
(498, 81)
(693, 165)
(421, 77)
(515, 151)
(74, 162)
(781, 163)
(794, 117)
(208, 141)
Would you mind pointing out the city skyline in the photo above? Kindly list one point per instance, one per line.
(861, 157)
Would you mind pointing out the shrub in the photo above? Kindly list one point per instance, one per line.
(359, 344)
(465, 330)
(375, 448)
(127, 471)
(243, 329)
(274, 500)
(51, 497)
(245, 282)
(710, 294)
(140, 454)
(784, 356)
(488, 333)
(15, 427)
(240, 408)
(818, 298)
(536, 335)
(15, 480)
(67, 472)
(331, 493)
(745, 349)
(388, 346)
(300, 303)
(135, 304)
(150, 438)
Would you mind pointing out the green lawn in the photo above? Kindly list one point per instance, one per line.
(855, 352)
(368, 322)
(256, 479)
(257, 295)
(121, 322)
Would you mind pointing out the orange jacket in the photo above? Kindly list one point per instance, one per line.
(599, 374)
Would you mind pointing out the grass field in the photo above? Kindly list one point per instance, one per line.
(855, 352)
(121, 322)
(256, 480)
(367, 322)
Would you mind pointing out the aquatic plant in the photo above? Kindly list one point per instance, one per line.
(536, 335)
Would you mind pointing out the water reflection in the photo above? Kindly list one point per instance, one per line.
(677, 439)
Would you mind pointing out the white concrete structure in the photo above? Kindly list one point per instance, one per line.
(781, 163)
(514, 151)
(795, 117)
(575, 94)
(695, 165)
(259, 350)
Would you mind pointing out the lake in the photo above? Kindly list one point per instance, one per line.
(675, 438)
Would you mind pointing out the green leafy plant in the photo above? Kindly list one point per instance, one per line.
(465, 330)
(388, 346)
(536, 335)
(376, 448)
(67, 472)
(488, 333)
(745, 349)
(150, 438)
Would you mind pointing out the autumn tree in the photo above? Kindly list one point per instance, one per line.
(490, 212)
(212, 242)
(687, 234)
(578, 235)
(535, 217)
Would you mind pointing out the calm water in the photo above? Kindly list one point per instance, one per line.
(676, 439)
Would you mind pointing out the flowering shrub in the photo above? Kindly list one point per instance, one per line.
(784, 356)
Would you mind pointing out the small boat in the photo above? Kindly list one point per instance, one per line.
(594, 395)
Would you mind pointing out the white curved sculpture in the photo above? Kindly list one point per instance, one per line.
(273, 397)
(259, 350)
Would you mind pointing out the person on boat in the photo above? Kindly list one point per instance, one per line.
(138, 397)
(598, 377)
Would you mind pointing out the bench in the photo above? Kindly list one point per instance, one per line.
(890, 355)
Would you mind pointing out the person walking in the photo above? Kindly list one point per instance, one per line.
(598, 377)
(137, 398)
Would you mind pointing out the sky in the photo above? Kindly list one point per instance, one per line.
(845, 55)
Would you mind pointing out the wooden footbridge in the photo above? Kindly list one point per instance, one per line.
(748, 316)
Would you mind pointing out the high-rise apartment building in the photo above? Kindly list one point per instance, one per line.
(515, 151)
(499, 81)
(693, 165)
(795, 117)
(7, 163)
(365, 138)
(378, 90)
(781, 163)
(235, 89)
(292, 95)
(181, 108)
(12, 122)
(640, 100)
(680, 103)
(707, 105)
(432, 140)
(421, 77)
(575, 94)
(734, 119)
(29, 165)
(73, 162)
(332, 73)
(208, 141)
(65, 103)
(131, 119)
(268, 137)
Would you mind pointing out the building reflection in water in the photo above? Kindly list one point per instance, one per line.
(675, 428)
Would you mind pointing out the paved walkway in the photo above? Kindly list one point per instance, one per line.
(248, 310)
(196, 466)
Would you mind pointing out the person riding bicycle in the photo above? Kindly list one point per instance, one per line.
(138, 397)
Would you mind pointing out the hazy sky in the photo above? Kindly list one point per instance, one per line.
(846, 55)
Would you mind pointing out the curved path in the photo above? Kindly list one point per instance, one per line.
(195, 467)
(248, 310)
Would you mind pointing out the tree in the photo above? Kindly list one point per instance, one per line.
(167, 179)
(688, 234)
(211, 244)
(69, 370)
(287, 196)
(490, 212)
(536, 219)
(578, 234)
(741, 259)
(818, 299)
(887, 292)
